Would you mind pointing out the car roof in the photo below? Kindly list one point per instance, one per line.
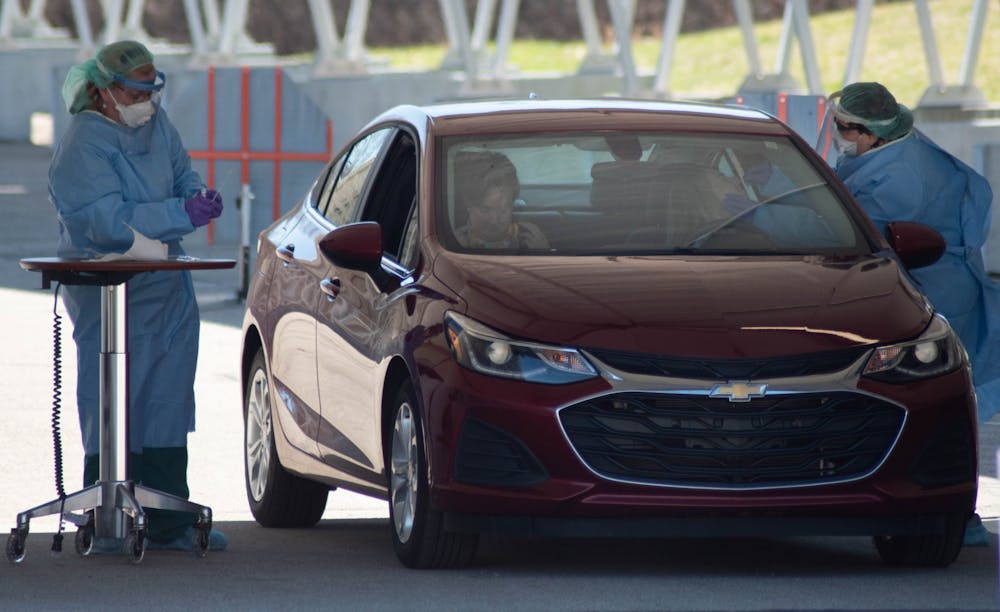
(509, 116)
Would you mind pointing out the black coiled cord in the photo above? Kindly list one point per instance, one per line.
(56, 409)
(57, 392)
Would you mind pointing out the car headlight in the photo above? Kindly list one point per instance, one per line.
(937, 351)
(490, 352)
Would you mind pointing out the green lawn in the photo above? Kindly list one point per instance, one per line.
(713, 63)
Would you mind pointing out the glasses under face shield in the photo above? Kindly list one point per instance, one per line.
(844, 127)
(140, 91)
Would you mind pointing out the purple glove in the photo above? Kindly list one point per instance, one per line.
(203, 206)
(736, 203)
(757, 174)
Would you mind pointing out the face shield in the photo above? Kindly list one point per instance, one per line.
(831, 143)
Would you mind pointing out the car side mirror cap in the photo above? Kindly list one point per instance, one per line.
(356, 246)
(916, 244)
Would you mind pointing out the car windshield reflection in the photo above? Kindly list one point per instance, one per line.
(637, 194)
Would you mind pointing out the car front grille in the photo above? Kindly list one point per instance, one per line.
(730, 369)
(697, 441)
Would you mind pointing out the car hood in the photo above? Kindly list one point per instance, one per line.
(721, 307)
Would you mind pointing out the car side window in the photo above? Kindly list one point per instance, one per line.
(320, 193)
(342, 192)
(392, 194)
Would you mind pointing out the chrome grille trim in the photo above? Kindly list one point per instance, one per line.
(842, 382)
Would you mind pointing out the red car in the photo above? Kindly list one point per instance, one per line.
(602, 318)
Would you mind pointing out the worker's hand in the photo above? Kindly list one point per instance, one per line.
(203, 206)
(213, 195)
(736, 203)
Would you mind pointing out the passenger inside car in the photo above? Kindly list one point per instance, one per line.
(486, 186)
(661, 204)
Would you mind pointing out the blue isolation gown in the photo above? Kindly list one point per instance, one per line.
(912, 179)
(106, 178)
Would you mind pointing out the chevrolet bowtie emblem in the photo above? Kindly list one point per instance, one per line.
(738, 391)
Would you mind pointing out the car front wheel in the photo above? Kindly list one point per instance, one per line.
(925, 550)
(277, 498)
(417, 533)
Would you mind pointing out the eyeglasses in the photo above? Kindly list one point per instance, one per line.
(847, 127)
(133, 95)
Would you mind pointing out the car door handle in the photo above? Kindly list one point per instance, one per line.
(286, 253)
(331, 287)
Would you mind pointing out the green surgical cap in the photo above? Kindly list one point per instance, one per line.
(115, 60)
(871, 105)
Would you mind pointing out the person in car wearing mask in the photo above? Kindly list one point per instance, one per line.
(119, 171)
(896, 173)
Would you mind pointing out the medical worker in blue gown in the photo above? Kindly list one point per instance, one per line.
(898, 174)
(120, 173)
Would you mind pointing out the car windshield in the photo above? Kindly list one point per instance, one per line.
(637, 193)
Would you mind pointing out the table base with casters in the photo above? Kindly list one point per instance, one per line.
(113, 507)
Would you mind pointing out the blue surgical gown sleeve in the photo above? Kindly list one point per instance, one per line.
(106, 178)
(893, 193)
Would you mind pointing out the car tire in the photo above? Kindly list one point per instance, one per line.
(277, 498)
(418, 535)
(931, 550)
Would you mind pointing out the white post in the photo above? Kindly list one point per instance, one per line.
(10, 12)
(744, 17)
(198, 43)
(623, 35)
(931, 54)
(806, 47)
(213, 24)
(482, 25)
(974, 39)
(588, 25)
(859, 38)
(324, 25)
(357, 22)
(36, 11)
(505, 34)
(457, 25)
(112, 20)
(671, 30)
(83, 30)
(234, 19)
(244, 204)
(133, 19)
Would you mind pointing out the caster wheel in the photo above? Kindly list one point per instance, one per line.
(84, 541)
(135, 547)
(15, 546)
(200, 541)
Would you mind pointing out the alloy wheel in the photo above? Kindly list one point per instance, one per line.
(258, 434)
(405, 474)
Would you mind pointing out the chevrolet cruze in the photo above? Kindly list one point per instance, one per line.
(601, 318)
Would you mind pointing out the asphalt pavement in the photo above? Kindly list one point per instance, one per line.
(347, 561)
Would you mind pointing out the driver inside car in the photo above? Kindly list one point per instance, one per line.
(487, 184)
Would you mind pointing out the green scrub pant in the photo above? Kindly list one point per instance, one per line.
(163, 469)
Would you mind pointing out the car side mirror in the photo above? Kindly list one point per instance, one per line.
(916, 244)
(356, 246)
